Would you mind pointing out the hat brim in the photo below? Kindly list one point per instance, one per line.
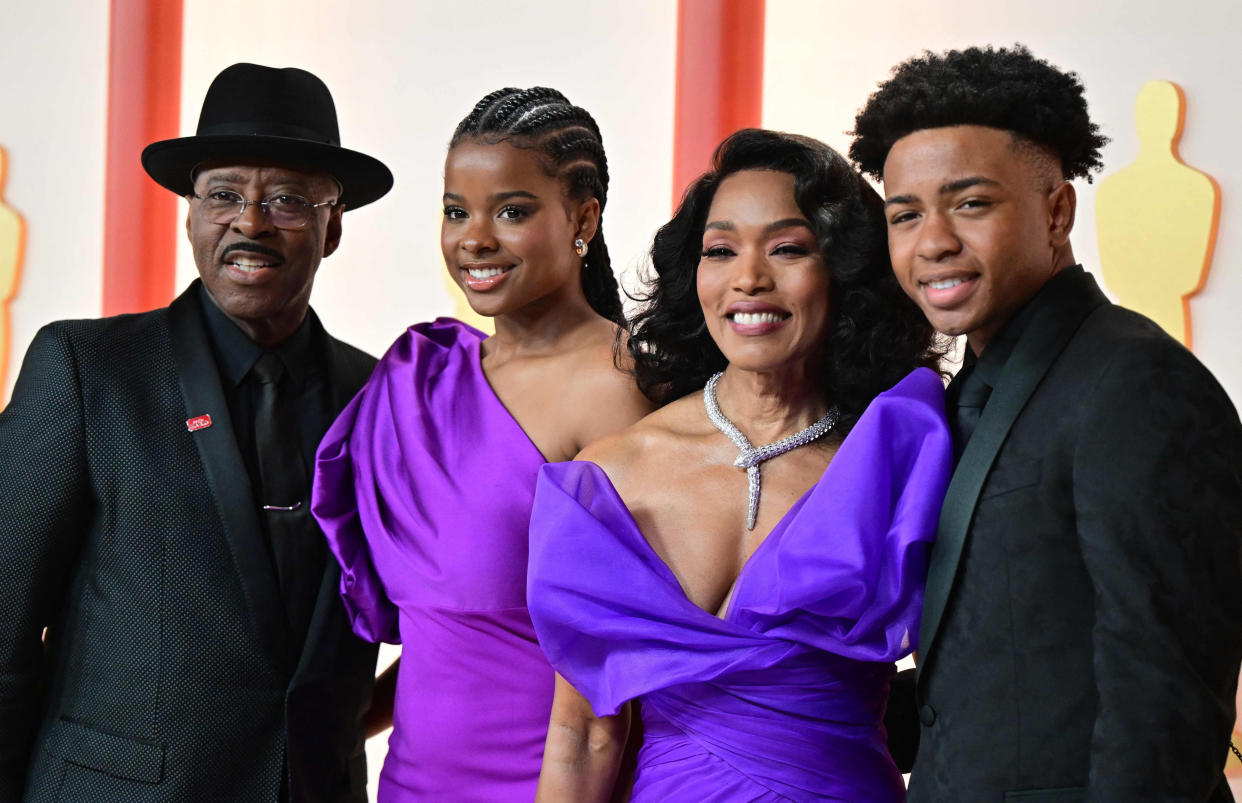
(363, 178)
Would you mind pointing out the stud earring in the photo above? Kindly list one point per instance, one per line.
(580, 247)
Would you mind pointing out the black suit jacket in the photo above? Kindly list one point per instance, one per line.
(1082, 629)
(168, 672)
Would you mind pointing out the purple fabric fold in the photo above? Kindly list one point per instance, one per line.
(782, 698)
(423, 487)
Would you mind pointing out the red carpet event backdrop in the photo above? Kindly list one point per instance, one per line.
(84, 232)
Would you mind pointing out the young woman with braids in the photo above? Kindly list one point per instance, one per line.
(748, 561)
(424, 485)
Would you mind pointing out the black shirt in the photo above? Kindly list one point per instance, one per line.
(304, 354)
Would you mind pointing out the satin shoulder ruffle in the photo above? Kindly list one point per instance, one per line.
(426, 474)
(842, 572)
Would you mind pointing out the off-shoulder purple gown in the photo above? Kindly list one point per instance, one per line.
(424, 488)
(782, 698)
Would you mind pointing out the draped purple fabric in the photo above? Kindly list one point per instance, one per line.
(782, 698)
(424, 488)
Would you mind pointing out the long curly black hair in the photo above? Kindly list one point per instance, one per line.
(1006, 88)
(568, 141)
(877, 334)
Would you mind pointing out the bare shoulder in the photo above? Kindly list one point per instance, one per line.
(603, 388)
(601, 357)
(657, 440)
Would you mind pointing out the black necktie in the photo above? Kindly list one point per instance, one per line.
(971, 397)
(283, 497)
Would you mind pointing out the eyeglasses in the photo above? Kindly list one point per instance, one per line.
(284, 210)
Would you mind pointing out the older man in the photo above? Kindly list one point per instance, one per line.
(1082, 630)
(172, 630)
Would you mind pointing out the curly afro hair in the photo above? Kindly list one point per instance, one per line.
(877, 334)
(1008, 89)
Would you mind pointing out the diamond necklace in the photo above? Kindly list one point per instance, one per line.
(749, 457)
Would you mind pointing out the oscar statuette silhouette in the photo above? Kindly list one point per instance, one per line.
(1156, 218)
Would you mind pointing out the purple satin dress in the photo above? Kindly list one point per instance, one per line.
(783, 698)
(424, 487)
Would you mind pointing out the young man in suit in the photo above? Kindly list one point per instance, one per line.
(172, 627)
(1082, 632)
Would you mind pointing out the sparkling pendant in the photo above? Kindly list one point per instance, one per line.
(749, 457)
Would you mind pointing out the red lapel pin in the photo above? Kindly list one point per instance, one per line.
(198, 422)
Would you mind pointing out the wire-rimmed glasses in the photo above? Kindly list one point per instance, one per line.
(286, 211)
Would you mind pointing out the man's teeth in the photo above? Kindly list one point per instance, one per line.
(945, 284)
(249, 264)
(484, 273)
(749, 318)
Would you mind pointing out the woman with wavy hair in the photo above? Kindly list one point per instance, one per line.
(748, 561)
(424, 484)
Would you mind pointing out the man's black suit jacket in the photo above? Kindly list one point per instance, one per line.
(1082, 629)
(168, 672)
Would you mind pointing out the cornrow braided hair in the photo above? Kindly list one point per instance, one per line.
(569, 143)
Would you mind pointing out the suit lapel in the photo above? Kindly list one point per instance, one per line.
(346, 375)
(229, 481)
(323, 625)
(348, 371)
(1044, 340)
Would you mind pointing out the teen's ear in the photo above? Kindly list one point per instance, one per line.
(1062, 206)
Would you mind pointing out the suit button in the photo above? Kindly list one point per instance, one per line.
(927, 714)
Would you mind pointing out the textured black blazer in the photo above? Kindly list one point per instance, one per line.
(1082, 629)
(168, 672)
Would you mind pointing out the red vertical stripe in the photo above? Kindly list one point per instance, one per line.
(10, 274)
(719, 80)
(144, 105)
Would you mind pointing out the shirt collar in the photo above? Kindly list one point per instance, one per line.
(236, 353)
(991, 362)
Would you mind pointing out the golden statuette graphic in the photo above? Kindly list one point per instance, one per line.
(12, 242)
(1156, 219)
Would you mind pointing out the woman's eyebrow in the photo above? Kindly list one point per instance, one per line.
(786, 223)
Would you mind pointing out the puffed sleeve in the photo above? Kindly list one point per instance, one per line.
(334, 503)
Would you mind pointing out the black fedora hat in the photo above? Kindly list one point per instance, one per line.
(261, 113)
